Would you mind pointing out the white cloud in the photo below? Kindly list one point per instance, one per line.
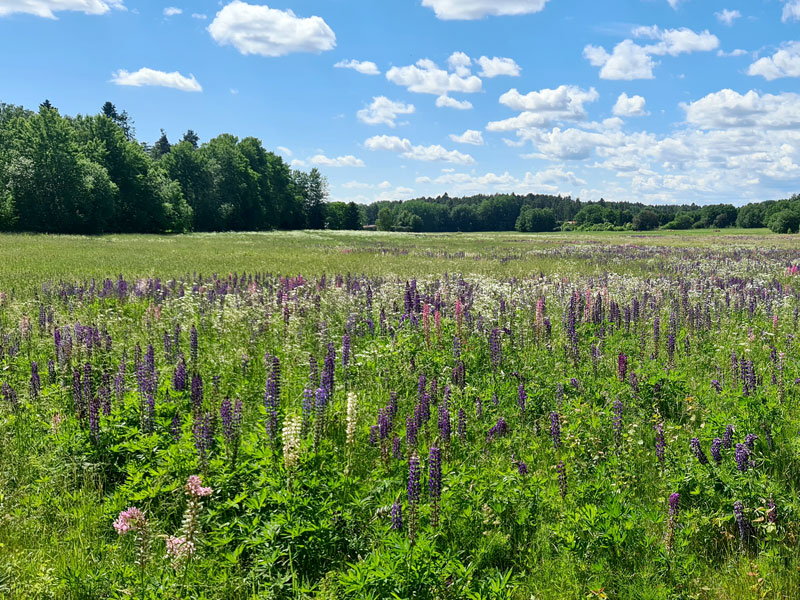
(199, 16)
(470, 136)
(384, 185)
(405, 148)
(791, 11)
(48, 8)
(425, 77)
(356, 185)
(677, 41)
(447, 101)
(784, 63)
(460, 63)
(285, 151)
(256, 29)
(736, 52)
(365, 67)
(728, 109)
(340, 161)
(476, 9)
(145, 76)
(298, 163)
(629, 106)
(383, 111)
(565, 101)
(630, 61)
(171, 11)
(727, 16)
(496, 66)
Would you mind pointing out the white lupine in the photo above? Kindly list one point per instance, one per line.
(352, 417)
(291, 442)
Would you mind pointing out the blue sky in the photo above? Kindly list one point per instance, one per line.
(659, 101)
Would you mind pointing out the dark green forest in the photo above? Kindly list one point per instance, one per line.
(89, 175)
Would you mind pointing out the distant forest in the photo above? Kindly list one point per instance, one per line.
(89, 174)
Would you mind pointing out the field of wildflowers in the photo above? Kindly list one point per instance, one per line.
(314, 415)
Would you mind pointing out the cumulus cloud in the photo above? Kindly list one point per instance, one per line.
(736, 52)
(727, 16)
(257, 29)
(405, 148)
(565, 101)
(496, 66)
(425, 77)
(784, 63)
(630, 60)
(340, 161)
(145, 76)
(447, 101)
(383, 111)
(791, 11)
(629, 106)
(48, 8)
(366, 67)
(460, 64)
(171, 11)
(466, 10)
(285, 151)
(729, 109)
(627, 61)
(470, 136)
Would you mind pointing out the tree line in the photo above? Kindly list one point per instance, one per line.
(89, 174)
(542, 213)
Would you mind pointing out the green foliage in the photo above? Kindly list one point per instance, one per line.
(536, 219)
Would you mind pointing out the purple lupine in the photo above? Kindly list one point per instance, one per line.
(716, 445)
(742, 457)
(661, 444)
(104, 393)
(522, 397)
(411, 432)
(175, 427)
(397, 453)
(384, 422)
(9, 395)
(622, 366)
(522, 468)
(329, 371)
(462, 424)
(414, 490)
(435, 482)
(672, 521)
(616, 419)
(397, 516)
(498, 430)
(561, 469)
(745, 528)
(307, 409)
(772, 511)
(555, 429)
(697, 450)
(36, 383)
(716, 385)
(373, 435)
(727, 438)
(179, 376)
(750, 441)
(203, 432)
(345, 351)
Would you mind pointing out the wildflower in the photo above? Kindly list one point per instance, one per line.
(291, 442)
(195, 489)
(414, 488)
(397, 513)
(555, 429)
(622, 366)
(697, 450)
(660, 443)
(435, 482)
(742, 456)
(131, 519)
(462, 424)
(36, 382)
(498, 430)
(352, 417)
(715, 450)
(674, 499)
(179, 550)
(750, 440)
(522, 468)
(727, 439)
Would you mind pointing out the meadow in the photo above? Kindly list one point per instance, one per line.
(383, 415)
